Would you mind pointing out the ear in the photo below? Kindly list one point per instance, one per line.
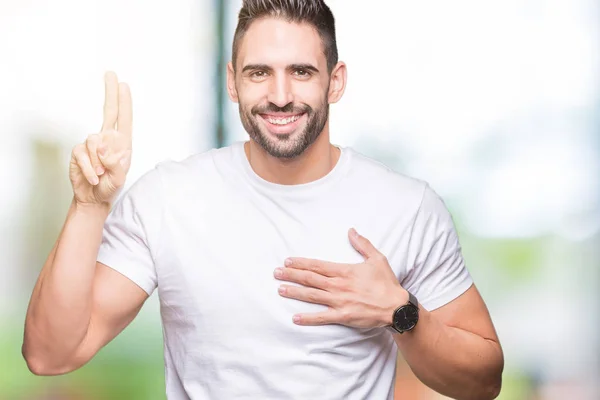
(231, 83)
(337, 82)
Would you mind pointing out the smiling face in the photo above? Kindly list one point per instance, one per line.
(282, 86)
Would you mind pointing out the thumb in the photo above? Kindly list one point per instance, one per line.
(115, 161)
(362, 244)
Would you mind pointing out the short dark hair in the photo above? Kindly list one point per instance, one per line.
(314, 12)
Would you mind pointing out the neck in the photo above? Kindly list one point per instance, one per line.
(316, 162)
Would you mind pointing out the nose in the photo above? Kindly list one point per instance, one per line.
(280, 91)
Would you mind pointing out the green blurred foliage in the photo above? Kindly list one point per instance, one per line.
(131, 367)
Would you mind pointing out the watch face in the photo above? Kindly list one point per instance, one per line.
(406, 318)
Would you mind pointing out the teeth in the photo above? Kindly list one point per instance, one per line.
(283, 121)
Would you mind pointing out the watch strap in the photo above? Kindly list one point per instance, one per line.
(413, 300)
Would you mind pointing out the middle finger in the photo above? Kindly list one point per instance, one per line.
(111, 101)
(306, 278)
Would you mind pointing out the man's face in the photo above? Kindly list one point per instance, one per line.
(282, 86)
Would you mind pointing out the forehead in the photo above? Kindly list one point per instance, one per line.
(274, 41)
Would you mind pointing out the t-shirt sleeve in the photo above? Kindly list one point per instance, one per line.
(131, 231)
(436, 272)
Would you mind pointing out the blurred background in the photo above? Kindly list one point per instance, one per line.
(496, 104)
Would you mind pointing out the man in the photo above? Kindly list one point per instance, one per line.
(267, 291)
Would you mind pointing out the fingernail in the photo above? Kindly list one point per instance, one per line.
(278, 272)
(95, 181)
(296, 318)
(281, 290)
(354, 233)
(288, 262)
(99, 170)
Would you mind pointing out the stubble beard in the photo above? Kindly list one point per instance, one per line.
(286, 146)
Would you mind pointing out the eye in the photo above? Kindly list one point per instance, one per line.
(302, 73)
(258, 75)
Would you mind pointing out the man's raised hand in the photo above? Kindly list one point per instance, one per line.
(100, 164)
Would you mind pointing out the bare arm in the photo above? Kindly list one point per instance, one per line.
(77, 305)
(455, 349)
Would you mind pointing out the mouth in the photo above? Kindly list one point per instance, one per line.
(281, 124)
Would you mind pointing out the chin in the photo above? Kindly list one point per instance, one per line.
(286, 146)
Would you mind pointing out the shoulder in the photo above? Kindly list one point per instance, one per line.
(190, 165)
(169, 173)
(374, 175)
(405, 191)
(198, 166)
(152, 183)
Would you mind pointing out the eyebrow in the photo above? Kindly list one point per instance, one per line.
(291, 67)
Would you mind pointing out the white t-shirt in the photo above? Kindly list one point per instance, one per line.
(208, 232)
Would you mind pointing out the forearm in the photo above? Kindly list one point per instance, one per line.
(452, 361)
(59, 312)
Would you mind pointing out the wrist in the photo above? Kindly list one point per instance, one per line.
(398, 298)
(91, 209)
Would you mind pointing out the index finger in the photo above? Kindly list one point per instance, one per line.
(125, 117)
(326, 268)
(111, 101)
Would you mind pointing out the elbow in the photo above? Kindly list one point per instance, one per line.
(487, 391)
(493, 391)
(493, 387)
(494, 384)
(35, 365)
(37, 368)
(41, 367)
(488, 388)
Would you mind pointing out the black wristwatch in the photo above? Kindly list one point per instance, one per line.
(406, 316)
